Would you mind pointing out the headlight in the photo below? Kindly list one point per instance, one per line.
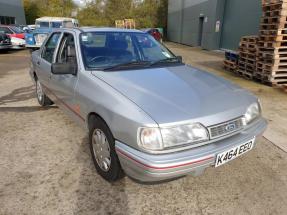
(150, 138)
(184, 134)
(253, 111)
(161, 138)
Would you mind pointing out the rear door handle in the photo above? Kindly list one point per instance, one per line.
(38, 62)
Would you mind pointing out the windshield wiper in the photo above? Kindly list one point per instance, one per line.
(166, 60)
(127, 65)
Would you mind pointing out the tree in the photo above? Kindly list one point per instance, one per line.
(93, 14)
(147, 13)
(31, 11)
(118, 9)
(37, 8)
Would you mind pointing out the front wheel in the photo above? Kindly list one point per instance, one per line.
(43, 100)
(102, 146)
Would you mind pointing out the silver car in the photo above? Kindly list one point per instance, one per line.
(148, 114)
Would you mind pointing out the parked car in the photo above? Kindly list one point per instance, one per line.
(5, 41)
(154, 32)
(17, 43)
(43, 27)
(147, 113)
(32, 27)
(12, 31)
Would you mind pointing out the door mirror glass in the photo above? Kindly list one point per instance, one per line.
(64, 68)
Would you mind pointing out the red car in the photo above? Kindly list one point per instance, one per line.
(154, 32)
(12, 31)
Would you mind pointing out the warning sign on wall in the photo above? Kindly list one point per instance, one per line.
(217, 26)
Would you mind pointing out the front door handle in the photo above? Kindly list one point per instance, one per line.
(38, 62)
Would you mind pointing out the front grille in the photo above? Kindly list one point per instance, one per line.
(226, 128)
(39, 38)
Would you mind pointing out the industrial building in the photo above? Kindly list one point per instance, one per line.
(212, 24)
(12, 12)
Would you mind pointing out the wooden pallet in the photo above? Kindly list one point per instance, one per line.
(273, 38)
(278, 81)
(251, 47)
(272, 26)
(281, 86)
(249, 61)
(266, 2)
(274, 61)
(271, 55)
(276, 32)
(274, 6)
(276, 51)
(262, 78)
(247, 54)
(249, 39)
(230, 66)
(275, 68)
(245, 74)
(274, 20)
(274, 13)
(272, 44)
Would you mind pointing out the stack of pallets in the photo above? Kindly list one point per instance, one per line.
(247, 56)
(272, 44)
(231, 61)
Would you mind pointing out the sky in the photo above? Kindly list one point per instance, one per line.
(81, 2)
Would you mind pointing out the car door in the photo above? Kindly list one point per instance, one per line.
(44, 61)
(63, 85)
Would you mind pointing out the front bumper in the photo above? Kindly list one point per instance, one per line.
(18, 47)
(150, 168)
(33, 46)
(3, 47)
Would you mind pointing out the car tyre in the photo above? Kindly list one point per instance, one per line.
(102, 146)
(43, 100)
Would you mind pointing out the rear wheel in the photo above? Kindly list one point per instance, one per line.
(41, 96)
(102, 146)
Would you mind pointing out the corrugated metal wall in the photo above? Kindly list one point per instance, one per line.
(13, 8)
(225, 21)
(174, 24)
(241, 18)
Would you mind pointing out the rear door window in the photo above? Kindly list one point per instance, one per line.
(50, 47)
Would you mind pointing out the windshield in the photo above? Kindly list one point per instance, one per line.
(101, 50)
(42, 24)
(16, 30)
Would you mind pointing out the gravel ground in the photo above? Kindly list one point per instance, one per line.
(46, 167)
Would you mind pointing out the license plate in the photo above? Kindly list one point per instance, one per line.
(234, 152)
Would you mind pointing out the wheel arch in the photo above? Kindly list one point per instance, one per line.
(92, 116)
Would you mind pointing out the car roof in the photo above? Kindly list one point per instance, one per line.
(108, 29)
(49, 18)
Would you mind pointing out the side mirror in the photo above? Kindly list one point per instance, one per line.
(179, 58)
(64, 68)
